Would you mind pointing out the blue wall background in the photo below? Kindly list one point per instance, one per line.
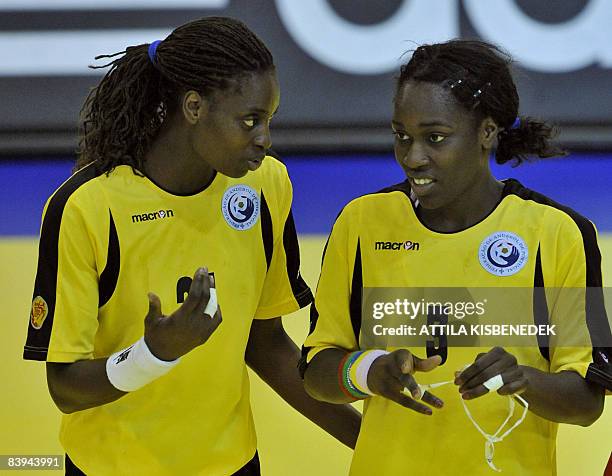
(323, 184)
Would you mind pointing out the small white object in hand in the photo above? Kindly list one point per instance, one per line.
(494, 383)
(211, 306)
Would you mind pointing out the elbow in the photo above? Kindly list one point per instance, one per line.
(62, 404)
(593, 408)
(586, 420)
(592, 415)
(596, 405)
(303, 367)
(57, 390)
(311, 388)
(308, 387)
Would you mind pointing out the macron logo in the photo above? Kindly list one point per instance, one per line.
(152, 216)
(395, 245)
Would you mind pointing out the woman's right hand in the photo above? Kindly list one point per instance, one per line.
(390, 374)
(170, 337)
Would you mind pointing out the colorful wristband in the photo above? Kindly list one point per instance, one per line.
(361, 367)
(353, 373)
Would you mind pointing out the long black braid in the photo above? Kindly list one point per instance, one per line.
(123, 113)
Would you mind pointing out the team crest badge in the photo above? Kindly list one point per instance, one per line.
(503, 253)
(39, 312)
(240, 207)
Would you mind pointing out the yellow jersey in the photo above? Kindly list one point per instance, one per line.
(108, 239)
(378, 242)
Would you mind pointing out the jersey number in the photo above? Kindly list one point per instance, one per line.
(182, 287)
(438, 345)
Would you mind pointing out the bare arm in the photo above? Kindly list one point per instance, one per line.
(80, 385)
(563, 397)
(319, 378)
(274, 357)
(84, 384)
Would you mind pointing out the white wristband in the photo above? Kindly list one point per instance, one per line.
(363, 367)
(135, 366)
(211, 306)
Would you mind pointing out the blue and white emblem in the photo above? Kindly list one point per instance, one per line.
(240, 207)
(503, 253)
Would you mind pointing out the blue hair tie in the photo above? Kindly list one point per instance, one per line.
(516, 124)
(153, 50)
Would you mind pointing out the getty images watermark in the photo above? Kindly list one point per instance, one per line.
(480, 317)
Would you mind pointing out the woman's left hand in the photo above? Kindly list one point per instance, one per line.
(486, 366)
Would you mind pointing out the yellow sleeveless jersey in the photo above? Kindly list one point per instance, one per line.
(378, 241)
(106, 241)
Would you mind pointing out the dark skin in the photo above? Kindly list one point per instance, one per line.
(440, 141)
(84, 384)
(226, 133)
(444, 150)
(387, 377)
(274, 357)
(219, 133)
(436, 139)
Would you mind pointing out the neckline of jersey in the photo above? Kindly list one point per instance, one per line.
(505, 192)
(174, 194)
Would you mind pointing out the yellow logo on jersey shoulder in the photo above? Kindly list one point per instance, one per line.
(39, 312)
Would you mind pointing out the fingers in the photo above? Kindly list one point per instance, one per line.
(390, 375)
(211, 306)
(495, 362)
(394, 391)
(154, 307)
(206, 297)
(426, 365)
(474, 387)
(199, 291)
(482, 362)
(432, 400)
(215, 321)
(411, 385)
(409, 363)
(404, 362)
(407, 402)
(515, 382)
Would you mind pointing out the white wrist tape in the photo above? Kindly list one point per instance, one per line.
(494, 383)
(363, 367)
(135, 366)
(211, 306)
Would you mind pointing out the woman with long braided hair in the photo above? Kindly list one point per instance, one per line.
(173, 175)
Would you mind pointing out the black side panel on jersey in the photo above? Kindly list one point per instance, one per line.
(110, 275)
(314, 316)
(37, 342)
(600, 371)
(267, 234)
(354, 307)
(356, 284)
(302, 363)
(356, 293)
(301, 291)
(540, 306)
